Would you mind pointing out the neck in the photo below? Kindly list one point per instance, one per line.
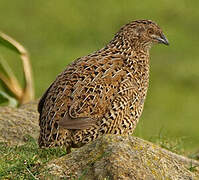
(131, 50)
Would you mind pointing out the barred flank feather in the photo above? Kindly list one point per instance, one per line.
(101, 93)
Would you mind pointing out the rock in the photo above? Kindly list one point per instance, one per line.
(109, 157)
(15, 123)
(120, 157)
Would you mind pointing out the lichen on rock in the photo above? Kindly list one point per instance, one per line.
(122, 157)
(15, 123)
(109, 157)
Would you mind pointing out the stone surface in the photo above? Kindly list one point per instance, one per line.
(15, 123)
(120, 157)
(109, 157)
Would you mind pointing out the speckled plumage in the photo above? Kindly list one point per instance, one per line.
(102, 92)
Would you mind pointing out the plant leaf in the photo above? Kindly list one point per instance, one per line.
(5, 97)
(5, 41)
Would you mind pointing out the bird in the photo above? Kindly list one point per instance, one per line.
(101, 93)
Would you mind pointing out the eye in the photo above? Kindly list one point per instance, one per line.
(150, 31)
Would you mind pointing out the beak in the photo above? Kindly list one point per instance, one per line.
(162, 39)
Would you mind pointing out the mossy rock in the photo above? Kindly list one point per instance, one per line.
(109, 157)
(15, 123)
(122, 157)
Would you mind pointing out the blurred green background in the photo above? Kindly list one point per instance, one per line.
(57, 32)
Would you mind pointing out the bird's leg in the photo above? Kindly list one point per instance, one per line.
(68, 150)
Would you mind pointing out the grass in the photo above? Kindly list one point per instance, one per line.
(174, 144)
(55, 33)
(26, 161)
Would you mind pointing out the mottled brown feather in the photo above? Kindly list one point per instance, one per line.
(76, 123)
(103, 92)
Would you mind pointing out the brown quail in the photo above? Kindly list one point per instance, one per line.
(101, 93)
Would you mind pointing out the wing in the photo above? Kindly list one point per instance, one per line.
(42, 100)
(83, 92)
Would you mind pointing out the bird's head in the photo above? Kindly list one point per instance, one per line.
(143, 33)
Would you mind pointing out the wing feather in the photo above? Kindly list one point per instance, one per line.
(87, 89)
